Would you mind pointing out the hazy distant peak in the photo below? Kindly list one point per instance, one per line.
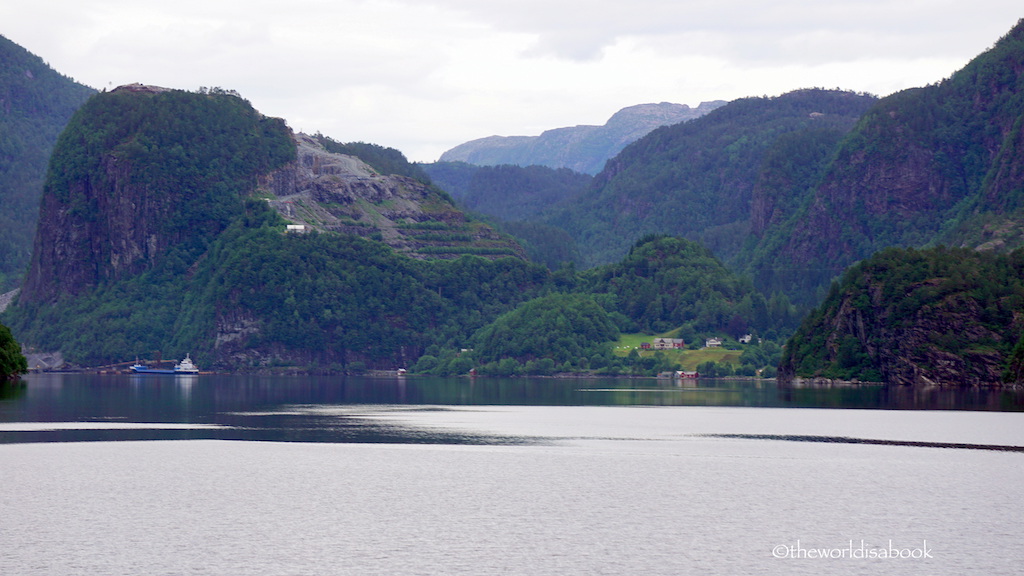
(583, 148)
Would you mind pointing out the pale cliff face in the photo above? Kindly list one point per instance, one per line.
(332, 192)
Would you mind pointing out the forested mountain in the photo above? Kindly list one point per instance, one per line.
(580, 148)
(794, 189)
(512, 193)
(514, 198)
(948, 317)
(164, 232)
(35, 104)
(939, 164)
(700, 179)
(158, 234)
(145, 175)
(665, 284)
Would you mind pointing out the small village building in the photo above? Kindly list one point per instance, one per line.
(669, 343)
(712, 342)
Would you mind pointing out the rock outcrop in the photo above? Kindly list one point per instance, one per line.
(332, 192)
(940, 317)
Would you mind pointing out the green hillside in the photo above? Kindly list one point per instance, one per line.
(938, 164)
(35, 104)
(698, 179)
(947, 317)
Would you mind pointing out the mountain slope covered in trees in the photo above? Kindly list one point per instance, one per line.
(699, 179)
(511, 193)
(948, 317)
(35, 104)
(938, 164)
(159, 235)
(794, 189)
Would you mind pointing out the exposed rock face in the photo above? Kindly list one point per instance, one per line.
(120, 235)
(905, 352)
(140, 170)
(339, 193)
(940, 317)
(581, 148)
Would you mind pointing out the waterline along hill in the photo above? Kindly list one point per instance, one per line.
(174, 222)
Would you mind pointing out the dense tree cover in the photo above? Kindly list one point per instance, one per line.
(199, 153)
(141, 174)
(791, 167)
(544, 244)
(512, 193)
(937, 164)
(696, 179)
(35, 104)
(560, 328)
(330, 300)
(666, 282)
(260, 297)
(511, 198)
(947, 316)
(12, 361)
(452, 177)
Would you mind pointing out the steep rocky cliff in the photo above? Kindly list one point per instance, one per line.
(945, 317)
(141, 172)
(164, 228)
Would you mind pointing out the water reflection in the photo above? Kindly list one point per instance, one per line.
(325, 409)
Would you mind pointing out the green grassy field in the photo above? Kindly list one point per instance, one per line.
(689, 359)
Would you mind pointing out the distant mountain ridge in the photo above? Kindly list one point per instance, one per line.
(581, 148)
(698, 179)
(794, 189)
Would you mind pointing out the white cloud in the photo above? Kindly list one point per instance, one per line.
(426, 76)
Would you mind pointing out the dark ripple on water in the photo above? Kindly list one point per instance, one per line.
(872, 441)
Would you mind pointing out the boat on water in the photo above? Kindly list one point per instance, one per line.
(186, 366)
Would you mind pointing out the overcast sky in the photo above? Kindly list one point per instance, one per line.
(424, 76)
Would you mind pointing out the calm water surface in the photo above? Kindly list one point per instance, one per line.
(528, 476)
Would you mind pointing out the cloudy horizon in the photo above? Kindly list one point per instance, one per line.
(424, 77)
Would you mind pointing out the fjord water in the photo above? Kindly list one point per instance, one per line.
(301, 475)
